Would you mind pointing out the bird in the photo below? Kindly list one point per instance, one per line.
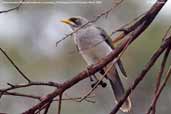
(93, 44)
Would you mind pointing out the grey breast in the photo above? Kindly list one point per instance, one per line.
(87, 38)
(91, 44)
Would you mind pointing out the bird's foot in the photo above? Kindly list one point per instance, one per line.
(103, 84)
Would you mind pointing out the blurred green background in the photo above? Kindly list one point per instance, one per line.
(29, 36)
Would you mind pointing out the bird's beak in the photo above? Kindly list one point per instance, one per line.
(67, 21)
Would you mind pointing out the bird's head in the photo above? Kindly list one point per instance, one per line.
(75, 22)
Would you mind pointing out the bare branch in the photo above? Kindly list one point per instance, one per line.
(155, 99)
(20, 95)
(162, 69)
(59, 104)
(15, 66)
(12, 87)
(12, 9)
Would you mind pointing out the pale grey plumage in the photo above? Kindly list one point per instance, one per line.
(94, 44)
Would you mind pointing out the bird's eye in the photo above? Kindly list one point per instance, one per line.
(75, 20)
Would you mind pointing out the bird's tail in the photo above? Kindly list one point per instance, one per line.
(118, 89)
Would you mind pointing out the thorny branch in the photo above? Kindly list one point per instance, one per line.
(130, 33)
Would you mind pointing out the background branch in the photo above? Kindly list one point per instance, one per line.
(141, 76)
(15, 66)
(12, 9)
(155, 99)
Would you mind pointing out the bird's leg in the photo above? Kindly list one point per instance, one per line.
(91, 79)
(77, 48)
(103, 72)
(103, 84)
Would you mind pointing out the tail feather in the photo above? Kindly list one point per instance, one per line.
(118, 89)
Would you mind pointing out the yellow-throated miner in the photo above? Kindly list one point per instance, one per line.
(93, 44)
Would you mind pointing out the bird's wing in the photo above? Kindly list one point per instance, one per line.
(109, 41)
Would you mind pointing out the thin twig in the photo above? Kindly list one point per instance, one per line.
(12, 87)
(163, 64)
(39, 97)
(167, 33)
(12, 9)
(59, 104)
(52, 84)
(21, 95)
(15, 66)
(159, 76)
(155, 99)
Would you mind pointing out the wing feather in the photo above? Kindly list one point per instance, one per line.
(109, 42)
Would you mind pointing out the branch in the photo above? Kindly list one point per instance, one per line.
(15, 66)
(12, 9)
(163, 64)
(47, 108)
(162, 67)
(20, 95)
(141, 76)
(154, 101)
(59, 104)
(12, 87)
